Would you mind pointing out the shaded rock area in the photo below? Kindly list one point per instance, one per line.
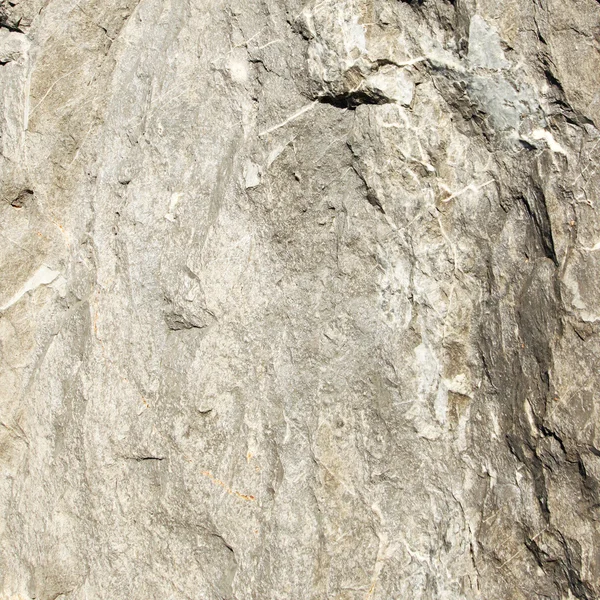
(300, 299)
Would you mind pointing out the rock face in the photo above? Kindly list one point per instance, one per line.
(300, 299)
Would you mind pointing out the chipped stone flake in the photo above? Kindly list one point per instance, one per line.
(392, 83)
(485, 50)
(43, 276)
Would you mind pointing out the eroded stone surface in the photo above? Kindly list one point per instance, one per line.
(299, 299)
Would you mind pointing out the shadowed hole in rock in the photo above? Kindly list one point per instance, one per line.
(352, 100)
(23, 199)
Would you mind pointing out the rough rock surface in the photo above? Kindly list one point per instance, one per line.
(300, 299)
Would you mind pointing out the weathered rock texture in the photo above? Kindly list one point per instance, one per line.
(300, 299)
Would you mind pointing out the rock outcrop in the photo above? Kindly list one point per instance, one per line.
(300, 299)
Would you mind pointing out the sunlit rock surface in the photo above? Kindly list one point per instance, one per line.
(300, 299)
